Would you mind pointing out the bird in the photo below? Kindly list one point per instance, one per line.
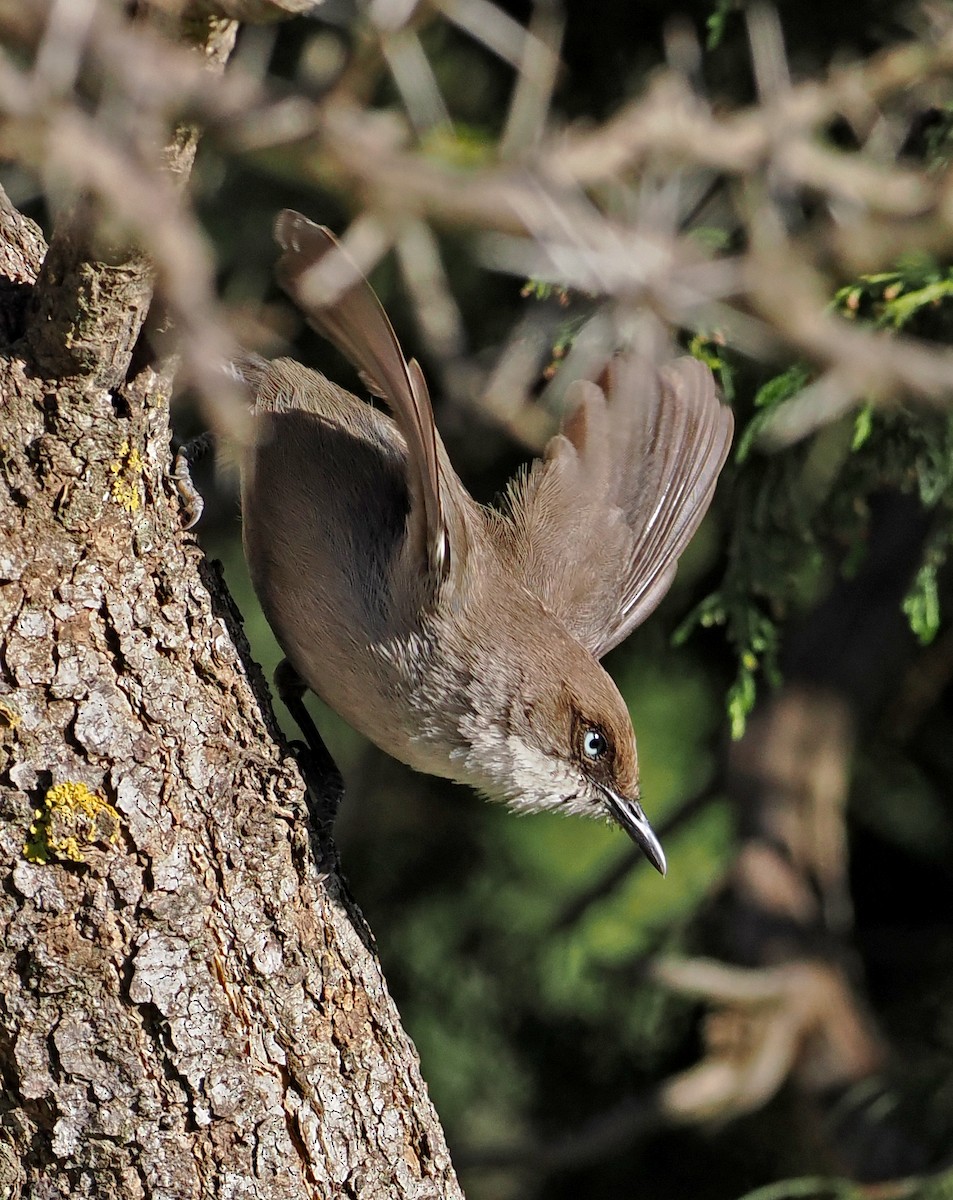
(462, 639)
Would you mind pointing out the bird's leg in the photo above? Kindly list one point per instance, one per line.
(321, 771)
(187, 454)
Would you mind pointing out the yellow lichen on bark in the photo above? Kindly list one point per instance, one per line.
(73, 818)
(126, 470)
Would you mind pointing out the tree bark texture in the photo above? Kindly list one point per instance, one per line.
(189, 1006)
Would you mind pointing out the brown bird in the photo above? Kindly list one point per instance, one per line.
(461, 639)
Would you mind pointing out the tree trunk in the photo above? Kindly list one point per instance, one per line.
(188, 1005)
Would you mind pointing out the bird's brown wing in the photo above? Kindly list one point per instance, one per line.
(339, 303)
(596, 527)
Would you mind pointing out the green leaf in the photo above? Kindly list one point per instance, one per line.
(710, 612)
(717, 23)
(708, 348)
(863, 427)
(741, 698)
(922, 604)
(768, 398)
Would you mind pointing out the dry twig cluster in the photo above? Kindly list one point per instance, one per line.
(89, 96)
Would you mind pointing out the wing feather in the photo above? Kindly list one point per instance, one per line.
(341, 305)
(597, 526)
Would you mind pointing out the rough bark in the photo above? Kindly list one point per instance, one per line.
(189, 1007)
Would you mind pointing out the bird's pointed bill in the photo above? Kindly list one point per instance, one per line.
(630, 816)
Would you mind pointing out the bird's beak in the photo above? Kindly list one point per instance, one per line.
(630, 816)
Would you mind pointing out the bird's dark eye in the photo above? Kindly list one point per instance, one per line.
(594, 744)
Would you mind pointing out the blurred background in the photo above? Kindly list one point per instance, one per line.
(777, 1013)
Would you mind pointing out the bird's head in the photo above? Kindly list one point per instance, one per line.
(561, 739)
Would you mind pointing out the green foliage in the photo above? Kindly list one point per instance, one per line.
(863, 426)
(541, 289)
(769, 397)
(459, 145)
(711, 238)
(709, 349)
(717, 23)
(922, 601)
(776, 559)
(801, 516)
(892, 299)
(568, 329)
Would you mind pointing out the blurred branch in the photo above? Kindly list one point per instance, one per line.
(794, 1012)
(673, 122)
(485, 22)
(122, 225)
(541, 197)
(555, 233)
(253, 12)
(536, 79)
(798, 1020)
(766, 1025)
